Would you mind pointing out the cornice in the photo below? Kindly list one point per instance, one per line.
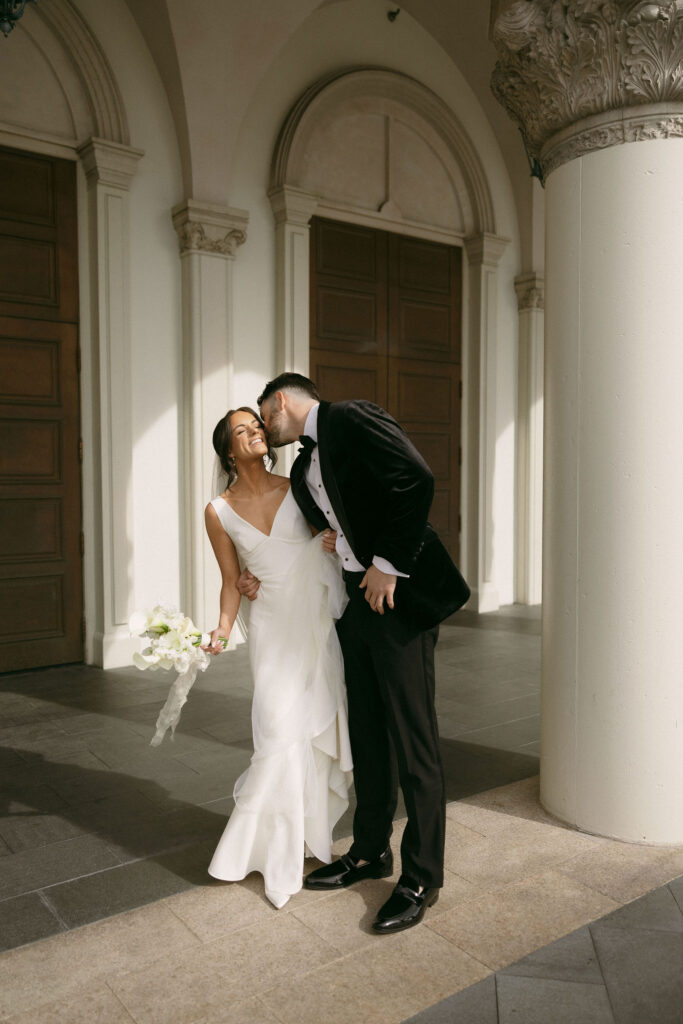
(562, 63)
(209, 228)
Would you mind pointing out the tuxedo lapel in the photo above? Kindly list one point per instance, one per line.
(303, 496)
(327, 472)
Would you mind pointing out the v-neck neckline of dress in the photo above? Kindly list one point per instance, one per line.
(246, 521)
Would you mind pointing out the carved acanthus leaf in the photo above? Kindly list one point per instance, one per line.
(562, 61)
(207, 227)
(193, 238)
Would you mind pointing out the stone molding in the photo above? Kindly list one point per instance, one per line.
(659, 121)
(530, 289)
(485, 249)
(292, 205)
(209, 228)
(561, 62)
(67, 25)
(370, 82)
(109, 163)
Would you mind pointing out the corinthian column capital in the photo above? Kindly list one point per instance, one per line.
(579, 75)
(209, 228)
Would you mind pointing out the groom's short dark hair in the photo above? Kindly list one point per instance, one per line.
(292, 381)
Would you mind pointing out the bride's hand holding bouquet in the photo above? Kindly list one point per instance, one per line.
(174, 642)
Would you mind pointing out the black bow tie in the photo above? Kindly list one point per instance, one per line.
(307, 445)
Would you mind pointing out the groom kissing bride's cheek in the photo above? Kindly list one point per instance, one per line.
(358, 474)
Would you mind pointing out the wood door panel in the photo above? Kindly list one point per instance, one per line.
(344, 250)
(31, 608)
(440, 514)
(30, 451)
(27, 189)
(424, 328)
(437, 451)
(38, 243)
(41, 589)
(348, 318)
(423, 265)
(29, 371)
(30, 529)
(420, 395)
(29, 271)
(340, 376)
(40, 514)
(407, 361)
(425, 399)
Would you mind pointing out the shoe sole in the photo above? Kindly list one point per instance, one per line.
(381, 929)
(341, 884)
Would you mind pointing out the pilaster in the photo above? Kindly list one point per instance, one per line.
(530, 290)
(109, 169)
(484, 252)
(292, 209)
(209, 236)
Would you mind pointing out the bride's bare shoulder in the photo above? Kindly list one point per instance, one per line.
(279, 483)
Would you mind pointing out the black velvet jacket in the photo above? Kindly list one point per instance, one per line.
(381, 490)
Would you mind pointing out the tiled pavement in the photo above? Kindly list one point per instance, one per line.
(95, 823)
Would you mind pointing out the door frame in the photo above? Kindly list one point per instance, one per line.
(106, 166)
(293, 207)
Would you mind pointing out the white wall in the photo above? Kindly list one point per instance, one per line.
(154, 310)
(352, 33)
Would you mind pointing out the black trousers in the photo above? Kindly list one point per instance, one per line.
(389, 669)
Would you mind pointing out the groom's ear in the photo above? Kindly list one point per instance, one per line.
(280, 399)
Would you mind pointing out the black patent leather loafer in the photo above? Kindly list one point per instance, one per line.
(404, 909)
(347, 871)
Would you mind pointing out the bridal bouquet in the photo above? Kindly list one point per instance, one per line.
(174, 642)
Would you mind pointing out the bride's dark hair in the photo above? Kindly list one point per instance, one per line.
(222, 443)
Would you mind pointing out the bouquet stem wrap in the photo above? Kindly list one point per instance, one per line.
(170, 713)
(174, 642)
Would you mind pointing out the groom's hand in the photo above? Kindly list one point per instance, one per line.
(378, 585)
(248, 585)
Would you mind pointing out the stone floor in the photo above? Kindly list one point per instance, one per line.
(107, 914)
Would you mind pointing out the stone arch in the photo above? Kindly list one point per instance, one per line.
(105, 104)
(405, 105)
(299, 188)
(76, 112)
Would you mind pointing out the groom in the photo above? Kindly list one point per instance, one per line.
(357, 473)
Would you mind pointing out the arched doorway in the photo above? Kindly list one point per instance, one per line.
(73, 121)
(374, 148)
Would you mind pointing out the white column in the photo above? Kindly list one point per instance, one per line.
(479, 419)
(293, 210)
(530, 292)
(602, 119)
(613, 550)
(109, 168)
(209, 235)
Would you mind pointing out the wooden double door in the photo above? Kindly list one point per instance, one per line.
(386, 326)
(41, 603)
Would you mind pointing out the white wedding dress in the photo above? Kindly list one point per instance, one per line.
(296, 787)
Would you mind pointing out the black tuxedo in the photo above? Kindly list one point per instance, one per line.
(381, 489)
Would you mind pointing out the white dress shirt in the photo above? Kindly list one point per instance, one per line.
(316, 486)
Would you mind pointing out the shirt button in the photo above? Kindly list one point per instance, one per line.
(319, 485)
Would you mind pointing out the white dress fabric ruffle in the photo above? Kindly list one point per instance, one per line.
(296, 786)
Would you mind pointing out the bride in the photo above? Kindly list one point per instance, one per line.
(296, 787)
